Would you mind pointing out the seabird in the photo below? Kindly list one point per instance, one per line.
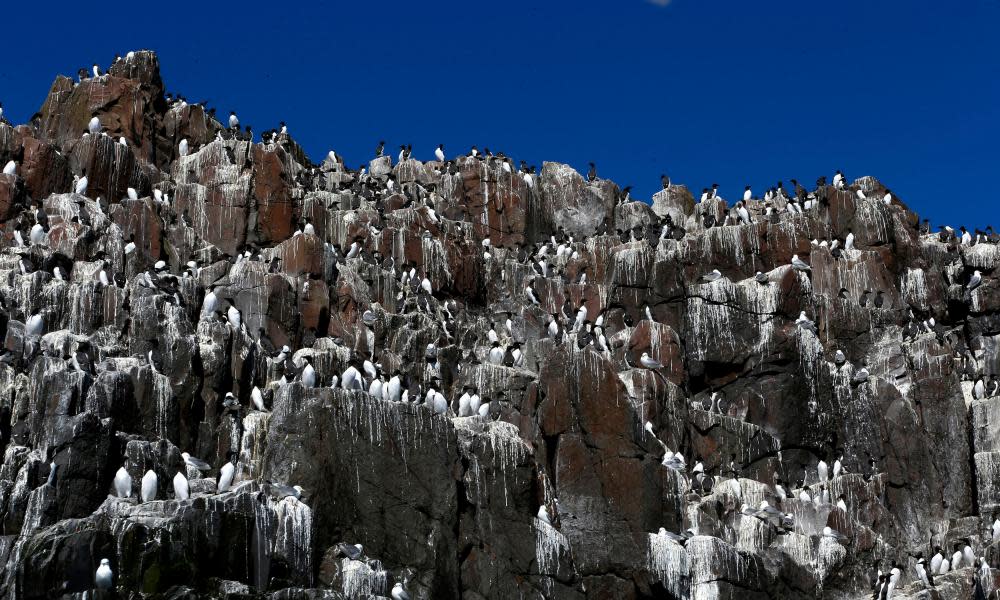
(148, 487)
(182, 148)
(834, 534)
(936, 560)
(10, 168)
(543, 515)
(104, 576)
(234, 122)
(81, 184)
(648, 362)
(308, 374)
(921, 569)
(195, 463)
(394, 388)
(37, 234)
(714, 275)
(553, 326)
(233, 315)
(399, 592)
(496, 354)
(798, 264)
(226, 474)
(747, 194)
(182, 491)
(123, 483)
(968, 556)
(439, 153)
(210, 303)
(742, 212)
(35, 325)
(804, 322)
(975, 280)
(94, 126)
(530, 293)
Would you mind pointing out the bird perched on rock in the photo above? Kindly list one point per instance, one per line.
(399, 592)
(148, 487)
(123, 483)
(103, 578)
(226, 474)
(181, 489)
(713, 275)
(798, 264)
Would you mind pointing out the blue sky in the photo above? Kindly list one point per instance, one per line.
(729, 92)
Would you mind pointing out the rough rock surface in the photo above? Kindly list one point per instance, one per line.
(110, 360)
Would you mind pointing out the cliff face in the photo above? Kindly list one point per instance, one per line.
(131, 373)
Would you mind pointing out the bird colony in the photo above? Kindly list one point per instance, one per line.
(231, 372)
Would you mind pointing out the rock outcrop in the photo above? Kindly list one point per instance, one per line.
(473, 380)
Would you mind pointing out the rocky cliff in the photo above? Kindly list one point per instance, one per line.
(462, 379)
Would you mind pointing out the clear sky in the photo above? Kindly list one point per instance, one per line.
(729, 92)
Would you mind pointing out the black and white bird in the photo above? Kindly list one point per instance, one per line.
(399, 592)
(182, 491)
(226, 475)
(742, 212)
(496, 354)
(926, 576)
(861, 374)
(530, 293)
(123, 483)
(308, 374)
(936, 560)
(104, 577)
(975, 280)
(234, 122)
(805, 322)
(713, 275)
(195, 463)
(798, 264)
(94, 126)
(148, 486)
(35, 325)
(233, 316)
(439, 153)
(81, 184)
(649, 363)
